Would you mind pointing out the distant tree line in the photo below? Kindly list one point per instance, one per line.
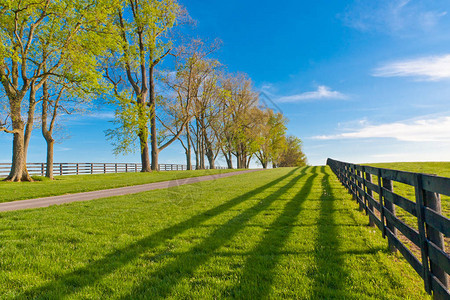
(58, 55)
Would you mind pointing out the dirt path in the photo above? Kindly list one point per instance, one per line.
(55, 200)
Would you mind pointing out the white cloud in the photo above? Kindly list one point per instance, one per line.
(395, 16)
(420, 130)
(322, 92)
(61, 149)
(429, 68)
(101, 115)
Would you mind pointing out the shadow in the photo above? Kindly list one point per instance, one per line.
(160, 283)
(88, 275)
(258, 271)
(329, 277)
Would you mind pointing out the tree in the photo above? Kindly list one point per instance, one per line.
(37, 38)
(271, 138)
(193, 87)
(239, 102)
(141, 27)
(292, 156)
(61, 96)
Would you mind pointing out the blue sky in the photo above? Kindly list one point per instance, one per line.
(360, 81)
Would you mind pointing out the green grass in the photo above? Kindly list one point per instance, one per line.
(42, 187)
(282, 233)
(437, 168)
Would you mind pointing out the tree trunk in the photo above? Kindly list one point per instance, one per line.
(19, 165)
(197, 162)
(30, 120)
(211, 160)
(229, 159)
(49, 166)
(188, 150)
(18, 168)
(247, 164)
(143, 136)
(153, 136)
(145, 158)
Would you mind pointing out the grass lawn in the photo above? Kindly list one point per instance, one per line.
(42, 187)
(283, 233)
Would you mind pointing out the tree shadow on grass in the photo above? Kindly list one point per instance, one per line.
(88, 275)
(160, 283)
(329, 277)
(258, 272)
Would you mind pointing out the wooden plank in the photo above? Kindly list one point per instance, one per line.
(371, 170)
(374, 202)
(439, 289)
(373, 187)
(407, 231)
(360, 190)
(436, 184)
(438, 221)
(439, 257)
(399, 176)
(412, 260)
(404, 203)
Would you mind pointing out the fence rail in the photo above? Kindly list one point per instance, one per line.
(90, 168)
(434, 262)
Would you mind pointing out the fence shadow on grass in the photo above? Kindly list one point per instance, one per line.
(329, 277)
(258, 272)
(88, 275)
(160, 283)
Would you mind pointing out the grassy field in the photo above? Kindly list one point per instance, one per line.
(437, 168)
(42, 187)
(282, 233)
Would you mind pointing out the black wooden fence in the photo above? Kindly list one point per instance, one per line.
(434, 263)
(89, 168)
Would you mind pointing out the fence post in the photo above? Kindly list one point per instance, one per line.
(60, 169)
(433, 201)
(92, 168)
(380, 198)
(104, 168)
(42, 169)
(77, 169)
(360, 200)
(126, 168)
(115, 167)
(387, 184)
(422, 235)
(347, 181)
(369, 204)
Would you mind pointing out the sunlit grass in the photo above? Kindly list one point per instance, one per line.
(43, 187)
(282, 233)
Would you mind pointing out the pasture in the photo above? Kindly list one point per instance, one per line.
(281, 233)
(43, 187)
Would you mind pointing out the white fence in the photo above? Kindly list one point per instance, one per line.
(90, 168)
